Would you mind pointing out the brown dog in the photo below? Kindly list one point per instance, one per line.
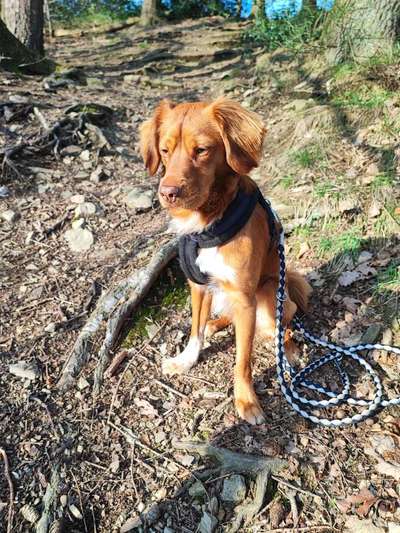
(206, 150)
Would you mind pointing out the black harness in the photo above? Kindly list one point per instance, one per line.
(233, 220)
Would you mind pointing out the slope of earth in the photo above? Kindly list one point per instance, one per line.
(78, 217)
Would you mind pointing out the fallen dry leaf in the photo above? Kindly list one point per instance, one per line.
(365, 497)
(146, 408)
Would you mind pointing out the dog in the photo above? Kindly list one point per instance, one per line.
(206, 151)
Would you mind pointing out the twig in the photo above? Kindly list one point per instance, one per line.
(116, 362)
(114, 396)
(11, 490)
(294, 487)
(170, 389)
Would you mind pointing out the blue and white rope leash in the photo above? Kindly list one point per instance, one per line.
(290, 380)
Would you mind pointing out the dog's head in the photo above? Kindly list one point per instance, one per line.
(197, 145)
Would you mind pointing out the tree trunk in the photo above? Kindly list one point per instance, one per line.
(258, 9)
(360, 29)
(24, 18)
(149, 12)
(14, 55)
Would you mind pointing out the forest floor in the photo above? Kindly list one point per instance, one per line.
(331, 168)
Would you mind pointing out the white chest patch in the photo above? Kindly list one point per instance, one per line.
(210, 261)
(192, 224)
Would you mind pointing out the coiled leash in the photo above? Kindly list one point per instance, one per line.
(291, 381)
(233, 220)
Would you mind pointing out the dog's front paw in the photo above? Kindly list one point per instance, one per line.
(175, 365)
(250, 411)
(248, 406)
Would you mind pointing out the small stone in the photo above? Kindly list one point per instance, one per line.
(371, 334)
(77, 199)
(85, 155)
(4, 191)
(208, 523)
(160, 494)
(131, 524)
(86, 209)
(78, 223)
(71, 150)
(372, 170)
(131, 78)
(83, 383)
(363, 257)
(387, 336)
(374, 209)
(197, 490)
(75, 512)
(98, 175)
(153, 514)
(79, 240)
(10, 216)
(140, 199)
(63, 500)
(94, 83)
(168, 530)
(51, 327)
(160, 436)
(25, 370)
(234, 489)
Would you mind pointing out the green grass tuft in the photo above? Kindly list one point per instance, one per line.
(364, 98)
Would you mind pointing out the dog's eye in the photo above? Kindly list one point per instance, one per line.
(164, 151)
(200, 150)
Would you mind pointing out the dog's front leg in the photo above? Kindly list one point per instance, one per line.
(244, 318)
(201, 304)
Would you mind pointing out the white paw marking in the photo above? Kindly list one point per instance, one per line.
(183, 362)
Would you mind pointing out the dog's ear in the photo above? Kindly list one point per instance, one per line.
(150, 136)
(242, 132)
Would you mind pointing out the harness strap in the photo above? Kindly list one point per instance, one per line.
(235, 217)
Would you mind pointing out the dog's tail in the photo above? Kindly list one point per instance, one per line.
(299, 289)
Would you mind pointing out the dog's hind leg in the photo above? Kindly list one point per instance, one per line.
(217, 324)
(201, 304)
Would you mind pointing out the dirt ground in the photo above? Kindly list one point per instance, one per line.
(331, 169)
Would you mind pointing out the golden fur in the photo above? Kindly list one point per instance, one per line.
(206, 150)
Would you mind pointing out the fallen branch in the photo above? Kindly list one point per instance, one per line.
(260, 468)
(116, 307)
(11, 490)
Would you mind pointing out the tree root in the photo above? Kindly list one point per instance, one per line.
(259, 468)
(49, 501)
(70, 129)
(116, 307)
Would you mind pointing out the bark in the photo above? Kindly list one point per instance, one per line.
(24, 19)
(360, 29)
(258, 9)
(149, 12)
(14, 55)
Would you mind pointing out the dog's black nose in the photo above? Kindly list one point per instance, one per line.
(170, 193)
